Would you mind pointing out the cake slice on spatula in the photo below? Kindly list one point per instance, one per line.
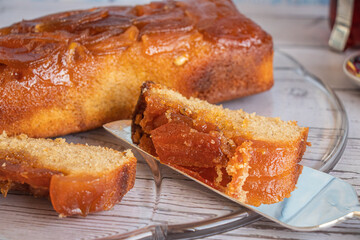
(249, 159)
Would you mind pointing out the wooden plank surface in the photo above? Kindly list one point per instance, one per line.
(301, 31)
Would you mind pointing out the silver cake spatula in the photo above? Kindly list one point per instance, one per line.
(320, 200)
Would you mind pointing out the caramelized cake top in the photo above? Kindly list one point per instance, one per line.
(99, 30)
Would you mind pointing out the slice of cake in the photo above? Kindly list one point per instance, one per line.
(79, 179)
(251, 158)
(74, 71)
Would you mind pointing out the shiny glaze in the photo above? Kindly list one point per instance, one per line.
(13, 169)
(270, 159)
(188, 147)
(206, 175)
(62, 38)
(199, 161)
(49, 65)
(69, 194)
(180, 140)
(86, 194)
(219, 21)
(271, 189)
(252, 171)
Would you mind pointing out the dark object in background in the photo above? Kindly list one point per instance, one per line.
(345, 24)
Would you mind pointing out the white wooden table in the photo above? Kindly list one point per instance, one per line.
(302, 31)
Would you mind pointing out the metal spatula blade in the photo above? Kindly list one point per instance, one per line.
(319, 200)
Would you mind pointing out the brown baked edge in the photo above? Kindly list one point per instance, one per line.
(118, 183)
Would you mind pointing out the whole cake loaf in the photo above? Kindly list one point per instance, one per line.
(77, 70)
(248, 157)
(78, 179)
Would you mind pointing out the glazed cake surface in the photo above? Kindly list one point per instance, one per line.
(78, 179)
(248, 157)
(76, 70)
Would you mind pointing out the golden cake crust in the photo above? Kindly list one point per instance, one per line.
(78, 179)
(77, 70)
(251, 158)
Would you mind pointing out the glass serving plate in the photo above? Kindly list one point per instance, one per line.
(164, 204)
